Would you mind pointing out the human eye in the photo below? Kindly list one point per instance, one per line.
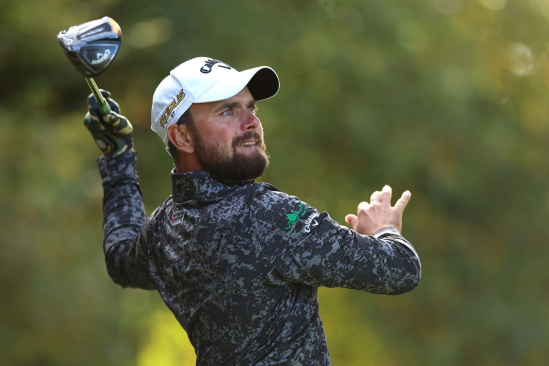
(227, 112)
(253, 109)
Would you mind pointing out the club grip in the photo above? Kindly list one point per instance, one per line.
(104, 107)
(101, 102)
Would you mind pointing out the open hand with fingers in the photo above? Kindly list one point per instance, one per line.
(378, 213)
(113, 132)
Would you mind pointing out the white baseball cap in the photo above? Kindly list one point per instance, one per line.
(203, 80)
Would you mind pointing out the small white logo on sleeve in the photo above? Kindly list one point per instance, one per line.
(311, 222)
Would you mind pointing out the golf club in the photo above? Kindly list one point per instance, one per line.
(92, 47)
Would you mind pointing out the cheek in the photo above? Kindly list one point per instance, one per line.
(219, 133)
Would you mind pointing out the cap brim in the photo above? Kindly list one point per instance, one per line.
(262, 82)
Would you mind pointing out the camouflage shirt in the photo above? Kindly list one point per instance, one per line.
(239, 265)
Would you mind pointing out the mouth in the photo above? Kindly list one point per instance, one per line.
(247, 143)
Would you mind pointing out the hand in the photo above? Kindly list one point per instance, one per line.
(378, 213)
(112, 133)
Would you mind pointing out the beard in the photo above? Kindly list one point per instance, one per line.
(235, 167)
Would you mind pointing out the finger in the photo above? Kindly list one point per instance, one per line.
(352, 220)
(112, 103)
(403, 201)
(114, 106)
(111, 118)
(385, 197)
(92, 103)
(105, 93)
(93, 109)
(375, 197)
(92, 123)
(363, 206)
(93, 106)
(120, 124)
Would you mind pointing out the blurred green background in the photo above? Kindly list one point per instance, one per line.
(446, 98)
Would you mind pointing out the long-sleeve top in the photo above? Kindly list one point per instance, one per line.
(239, 264)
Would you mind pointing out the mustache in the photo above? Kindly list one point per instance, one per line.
(248, 135)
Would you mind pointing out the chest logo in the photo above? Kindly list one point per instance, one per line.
(293, 218)
(177, 218)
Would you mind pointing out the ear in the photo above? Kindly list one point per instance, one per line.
(180, 137)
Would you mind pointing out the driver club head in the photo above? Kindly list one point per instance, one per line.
(92, 46)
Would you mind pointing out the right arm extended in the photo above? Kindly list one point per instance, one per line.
(125, 222)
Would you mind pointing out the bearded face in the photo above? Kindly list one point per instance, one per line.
(245, 159)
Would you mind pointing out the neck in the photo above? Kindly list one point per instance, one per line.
(187, 164)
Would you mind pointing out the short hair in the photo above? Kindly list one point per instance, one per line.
(187, 120)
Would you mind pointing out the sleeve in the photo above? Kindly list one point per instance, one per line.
(313, 249)
(124, 223)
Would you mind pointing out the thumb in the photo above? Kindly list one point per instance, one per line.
(352, 220)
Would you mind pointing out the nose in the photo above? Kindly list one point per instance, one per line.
(251, 122)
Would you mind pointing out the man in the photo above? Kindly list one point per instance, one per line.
(237, 262)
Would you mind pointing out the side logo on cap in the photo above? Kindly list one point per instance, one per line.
(169, 109)
(210, 63)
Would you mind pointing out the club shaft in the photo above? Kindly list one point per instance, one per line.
(101, 102)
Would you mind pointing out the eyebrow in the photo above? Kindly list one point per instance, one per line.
(234, 105)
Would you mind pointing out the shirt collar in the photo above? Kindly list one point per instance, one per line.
(198, 187)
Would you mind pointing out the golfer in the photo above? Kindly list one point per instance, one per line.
(237, 262)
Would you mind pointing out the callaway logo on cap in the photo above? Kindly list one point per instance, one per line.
(203, 80)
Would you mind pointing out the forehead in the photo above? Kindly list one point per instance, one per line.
(244, 97)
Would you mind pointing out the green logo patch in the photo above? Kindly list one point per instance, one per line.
(293, 218)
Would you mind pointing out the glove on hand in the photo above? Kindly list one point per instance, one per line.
(112, 133)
